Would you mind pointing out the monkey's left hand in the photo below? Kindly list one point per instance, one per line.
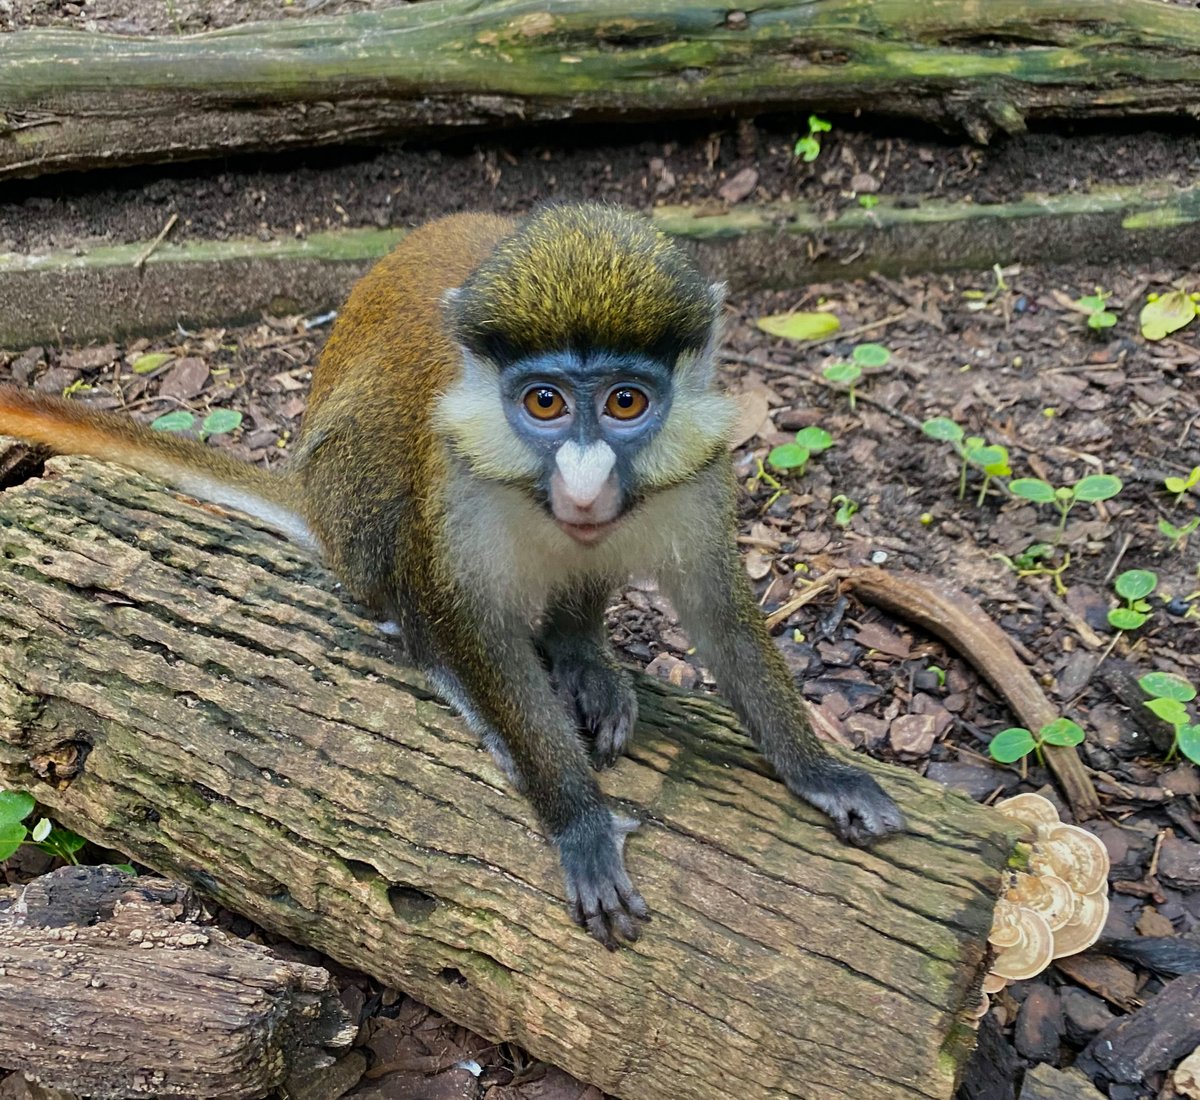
(600, 697)
(861, 811)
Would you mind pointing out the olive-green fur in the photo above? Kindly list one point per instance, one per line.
(585, 276)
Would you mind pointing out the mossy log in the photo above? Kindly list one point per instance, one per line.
(136, 289)
(182, 686)
(71, 100)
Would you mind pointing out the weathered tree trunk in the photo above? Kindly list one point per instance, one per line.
(74, 101)
(108, 988)
(75, 295)
(190, 690)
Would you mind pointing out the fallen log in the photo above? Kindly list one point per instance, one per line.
(187, 688)
(108, 987)
(76, 101)
(142, 288)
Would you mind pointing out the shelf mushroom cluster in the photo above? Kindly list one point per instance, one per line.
(1055, 908)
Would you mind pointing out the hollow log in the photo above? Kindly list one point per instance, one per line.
(181, 685)
(109, 987)
(135, 289)
(71, 100)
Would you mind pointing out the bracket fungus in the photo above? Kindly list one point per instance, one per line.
(1054, 908)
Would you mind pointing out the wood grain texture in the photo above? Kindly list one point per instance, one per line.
(187, 688)
(74, 101)
(109, 987)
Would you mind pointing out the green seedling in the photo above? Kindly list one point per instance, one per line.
(762, 477)
(846, 510)
(217, 422)
(868, 202)
(1017, 742)
(1093, 488)
(793, 457)
(1177, 535)
(1133, 586)
(848, 374)
(1180, 486)
(973, 450)
(980, 299)
(808, 148)
(1166, 313)
(1034, 561)
(1094, 307)
(844, 374)
(940, 673)
(1169, 695)
(15, 807)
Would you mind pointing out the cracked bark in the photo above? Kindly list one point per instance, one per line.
(109, 987)
(182, 686)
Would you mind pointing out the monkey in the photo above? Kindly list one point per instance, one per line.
(511, 418)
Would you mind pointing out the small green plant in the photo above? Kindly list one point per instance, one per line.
(1094, 307)
(1181, 485)
(848, 374)
(846, 509)
(1093, 488)
(15, 807)
(868, 202)
(1169, 695)
(980, 299)
(1035, 561)
(1016, 742)
(1178, 534)
(1133, 586)
(973, 450)
(217, 422)
(808, 148)
(793, 457)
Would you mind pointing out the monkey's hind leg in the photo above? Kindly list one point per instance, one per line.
(584, 670)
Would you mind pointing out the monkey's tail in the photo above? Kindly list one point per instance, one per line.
(71, 429)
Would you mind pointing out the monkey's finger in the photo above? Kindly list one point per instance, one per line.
(591, 918)
(633, 902)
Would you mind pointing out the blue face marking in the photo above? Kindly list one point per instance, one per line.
(552, 397)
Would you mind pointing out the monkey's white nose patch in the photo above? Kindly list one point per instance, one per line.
(584, 470)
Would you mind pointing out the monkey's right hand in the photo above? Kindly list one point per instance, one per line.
(862, 813)
(599, 891)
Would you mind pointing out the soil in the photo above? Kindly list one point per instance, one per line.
(1006, 354)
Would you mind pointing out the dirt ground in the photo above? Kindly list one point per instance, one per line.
(1002, 352)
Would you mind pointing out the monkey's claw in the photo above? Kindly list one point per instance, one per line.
(600, 893)
(860, 810)
(603, 703)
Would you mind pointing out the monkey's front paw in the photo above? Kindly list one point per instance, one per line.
(603, 703)
(860, 809)
(599, 891)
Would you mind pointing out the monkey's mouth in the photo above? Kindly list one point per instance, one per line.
(587, 533)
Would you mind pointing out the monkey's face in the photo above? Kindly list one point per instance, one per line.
(588, 434)
(586, 417)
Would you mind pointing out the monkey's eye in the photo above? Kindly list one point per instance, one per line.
(626, 403)
(545, 403)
